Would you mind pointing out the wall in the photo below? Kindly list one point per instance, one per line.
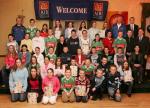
(9, 9)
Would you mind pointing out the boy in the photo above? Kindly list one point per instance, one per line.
(68, 83)
(113, 83)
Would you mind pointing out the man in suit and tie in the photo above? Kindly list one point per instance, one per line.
(143, 42)
(119, 26)
(132, 26)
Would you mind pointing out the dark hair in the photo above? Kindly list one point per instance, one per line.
(37, 48)
(51, 70)
(73, 30)
(70, 22)
(132, 18)
(35, 58)
(30, 75)
(43, 26)
(124, 67)
(27, 34)
(32, 20)
(59, 26)
(47, 57)
(10, 35)
(24, 45)
(56, 63)
(113, 65)
(80, 27)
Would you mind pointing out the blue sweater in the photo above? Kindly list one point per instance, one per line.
(20, 75)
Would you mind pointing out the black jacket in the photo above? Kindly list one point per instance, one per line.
(135, 32)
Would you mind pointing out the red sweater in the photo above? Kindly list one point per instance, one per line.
(10, 60)
(108, 43)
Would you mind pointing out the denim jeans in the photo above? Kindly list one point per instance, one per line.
(18, 97)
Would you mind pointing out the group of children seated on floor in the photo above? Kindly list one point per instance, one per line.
(45, 64)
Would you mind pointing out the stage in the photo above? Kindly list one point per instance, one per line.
(138, 100)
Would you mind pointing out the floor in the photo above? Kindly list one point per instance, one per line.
(136, 101)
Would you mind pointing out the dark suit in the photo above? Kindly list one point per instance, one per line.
(144, 44)
(135, 32)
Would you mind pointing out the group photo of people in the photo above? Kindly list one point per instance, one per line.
(76, 64)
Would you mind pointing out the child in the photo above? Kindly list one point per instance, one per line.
(51, 55)
(97, 85)
(44, 31)
(59, 68)
(80, 58)
(97, 43)
(68, 84)
(82, 87)
(88, 68)
(74, 68)
(148, 67)
(45, 67)
(50, 41)
(31, 29)
(39, 56)
(50, 86)
(25, 55)
(65, 56)
(104, 65)
(34, 85)
(109, 56)
(113, 86)
(85, 42)
(127, 77)
(13, 42)
(35, 64)
(27, 41)
(119, 58)
(94, 57)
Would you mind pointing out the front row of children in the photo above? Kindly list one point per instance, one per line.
(79, 89)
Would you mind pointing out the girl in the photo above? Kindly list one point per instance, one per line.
(44, 31)
(68, 30)
(25, 55)
(59, 68)
(45, 67)
(9, 64)
(35, 64)
(18, 82)
(57, 29)
(68, 84)
(34, 85)
(127, 77)
(81, 28)
(27, 41)
(50, 86)
(13, 42)
(98, 44)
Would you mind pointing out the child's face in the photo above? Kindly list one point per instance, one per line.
(73, 34)
(37, 50)
(73, 62)
(93, 50)
(51, 51)
(50, 32)
(68, 73)
(45, 27)
(24, 49)
(11, 49)
(97, 38)
(19, 21)
(99, 73)
(109, 34)
(33, 72)
(33, 60)
(104, 60)
(120, 34)
(79, 51)
(119, 51)
(32, 23)
(65, 49)
(18, 63)
(125, 64)
(37, 34)
(82, 74)
(62, 39)
(87, 62)
(113, 70)
(106, 50)
(27, 36)
(46, 61)
(84, 33)
(129, 33)
(10, 38)
(137, 49)
(59, 62)
(50, 73)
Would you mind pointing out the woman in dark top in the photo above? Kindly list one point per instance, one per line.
(35, 84)
(137, 64)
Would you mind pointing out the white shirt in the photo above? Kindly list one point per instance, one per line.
(40, 59)
(85, 45)
(68, 32)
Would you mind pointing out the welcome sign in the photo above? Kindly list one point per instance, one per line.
(70, 9)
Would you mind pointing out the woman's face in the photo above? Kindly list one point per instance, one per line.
(70, 24)
(125, 64)
(59, 62)
(24, 49)
(33, 73)
(50, 74)
(97, 38)
(38, 33)
(27, 36)
(11, 38)
(57, 23)
(83, 24)
(62, 39)
(93, 50)
(18, 63)
(106, 50)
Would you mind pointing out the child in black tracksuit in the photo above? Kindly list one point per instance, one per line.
(97, 85)
(113, 84)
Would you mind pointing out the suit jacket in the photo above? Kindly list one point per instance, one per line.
(135, 32)
(115, 30)
(144, 44)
